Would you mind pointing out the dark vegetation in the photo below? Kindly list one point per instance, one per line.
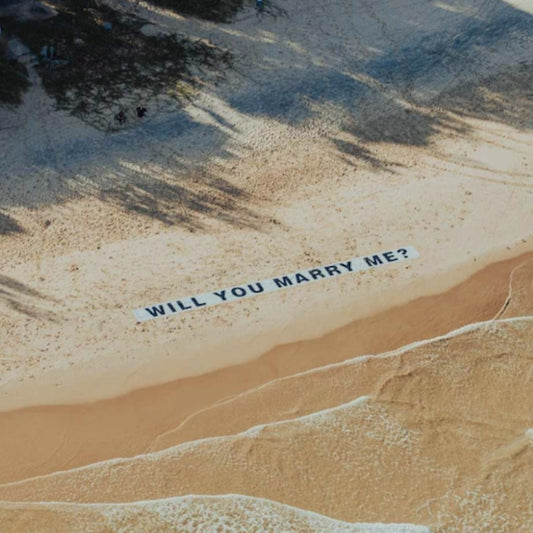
(13, 81)
(101, 56)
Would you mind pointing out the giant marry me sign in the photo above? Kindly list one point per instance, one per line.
(247, 290)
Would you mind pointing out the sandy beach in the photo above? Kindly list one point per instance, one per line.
(394, 399)
(144, 419)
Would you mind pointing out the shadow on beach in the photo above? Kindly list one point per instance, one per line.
(388, 79)
(21, 298)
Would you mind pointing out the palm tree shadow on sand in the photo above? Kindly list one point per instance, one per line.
(417, 85)
(21, 298)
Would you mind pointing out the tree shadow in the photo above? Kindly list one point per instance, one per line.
(154, 170)
(214, 10)
(507, 96)
(22, 299)
(355, 152)
(9, 225)
(220, 120)
(385, 76)
(405, 80)
(448, 54)
(297, 94)
(188, 204)
(504, 97)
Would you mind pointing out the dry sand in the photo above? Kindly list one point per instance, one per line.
(436, 433)
(343, 128)
(74, 435)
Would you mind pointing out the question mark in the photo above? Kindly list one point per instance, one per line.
(404, 252)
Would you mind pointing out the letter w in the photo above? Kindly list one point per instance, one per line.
(156, 310)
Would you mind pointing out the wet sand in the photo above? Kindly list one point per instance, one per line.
(277, 400)
(193, 513)
(441, 438)
(74, 435)
(341, 129)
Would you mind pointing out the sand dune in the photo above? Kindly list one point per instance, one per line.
(214, 514)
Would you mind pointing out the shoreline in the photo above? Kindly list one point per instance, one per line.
(398, 395)
(114, 377)
(127, 425)
(223, 463)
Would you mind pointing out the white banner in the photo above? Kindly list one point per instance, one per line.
(247, 290)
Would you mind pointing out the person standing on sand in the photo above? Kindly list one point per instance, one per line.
(121, 117)
(260, 5)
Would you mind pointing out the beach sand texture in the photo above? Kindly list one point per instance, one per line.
(144, 419)
(432, 437)
(399, 399)
(212, 514)
(435, 433)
